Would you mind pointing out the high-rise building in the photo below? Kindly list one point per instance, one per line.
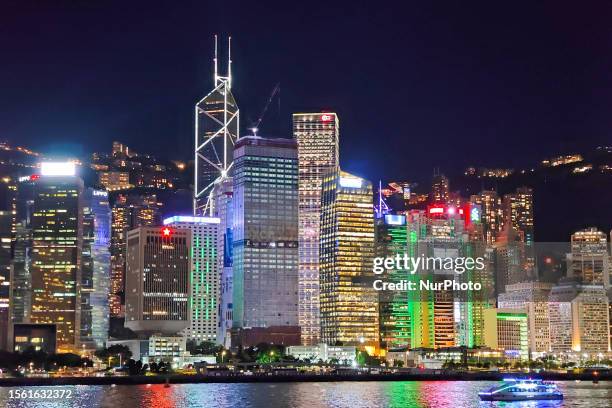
(510, 259)
(317, 136)
(217, 127)
(531, 297)
(21, 277)
(265, 233)
(518, 211)
(349, 304)
(394, 306)
(492, 215)
(440, 193)
(448, 318)
(223, 210)
(128, 212)
(204, 277)
(507, 329)
(589, 260)
(579, 319)
(95, 269)
(6, 238)
(57, 233)
(157, 280)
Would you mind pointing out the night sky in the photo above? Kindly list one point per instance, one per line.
(416, 85)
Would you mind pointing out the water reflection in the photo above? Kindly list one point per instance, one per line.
(438, 394)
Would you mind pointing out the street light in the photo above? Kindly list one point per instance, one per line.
(222, 355)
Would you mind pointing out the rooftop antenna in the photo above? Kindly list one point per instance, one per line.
(229, 62)
(215, 60)
(382, 208)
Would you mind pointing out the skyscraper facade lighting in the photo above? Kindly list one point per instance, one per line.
(317, 137)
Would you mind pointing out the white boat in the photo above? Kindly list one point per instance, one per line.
(518, 389)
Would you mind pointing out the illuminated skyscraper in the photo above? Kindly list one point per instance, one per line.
(265, 233)
(157, 280)
(440, 189)
(445, 318)
(317, 139)
(128, 212)
(349, 304)
(57, 233)
(223, 210)
(510, 259)
(589, 260)
(518, 211)
(217, 126)
(204, 278)
(394, 306)
(492, 213)
(95, 273)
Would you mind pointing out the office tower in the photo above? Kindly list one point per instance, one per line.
(95, 269)
(265, 233)
(21, 290)
(507, 329)
(510, 259)
(439, 189)
(6, 225)
(394, 307)
(157, 287)
(349, 304)
(217, 127)
(533, 298)
(57, 221)
(589, 260)
(579, 319)
(317, 136)
(128, 212)
(518, 211)
(223, 210)
(492, 213)
(470, 305)
(204, 275)
(443, 318)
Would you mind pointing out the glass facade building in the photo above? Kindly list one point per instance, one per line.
(349, 303)
(95, 274)
(204, 278)
(317, 136)
(57, 233)
(265, 233)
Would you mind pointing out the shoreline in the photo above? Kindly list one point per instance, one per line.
(274, 378)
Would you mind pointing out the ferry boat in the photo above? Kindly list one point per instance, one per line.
(517, 389)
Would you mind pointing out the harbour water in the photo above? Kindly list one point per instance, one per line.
(425, 394)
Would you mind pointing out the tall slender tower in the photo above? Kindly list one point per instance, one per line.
(317, 139)
(216, 130)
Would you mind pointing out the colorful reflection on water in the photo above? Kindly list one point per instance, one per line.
(426, 394)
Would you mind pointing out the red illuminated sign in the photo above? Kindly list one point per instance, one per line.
(326, 118)
(34, 177)
(166, 232)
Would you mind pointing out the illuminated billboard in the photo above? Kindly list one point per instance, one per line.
(57, 169)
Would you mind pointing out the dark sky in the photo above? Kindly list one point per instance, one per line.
(416, 85)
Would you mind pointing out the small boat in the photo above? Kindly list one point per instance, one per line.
(518, 389)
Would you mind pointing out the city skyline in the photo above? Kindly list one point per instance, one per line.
(395, 205)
